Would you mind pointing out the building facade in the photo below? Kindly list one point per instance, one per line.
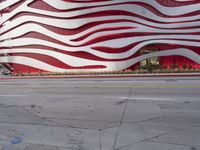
(98, 35)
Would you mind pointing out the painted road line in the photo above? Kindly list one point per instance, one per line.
(147, 98)
(13, 95)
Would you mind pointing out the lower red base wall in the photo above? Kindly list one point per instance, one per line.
(179, 60)
(18, 69)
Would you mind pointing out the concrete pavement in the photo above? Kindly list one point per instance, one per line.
(100, 114)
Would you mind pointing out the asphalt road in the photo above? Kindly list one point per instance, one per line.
(100, 114)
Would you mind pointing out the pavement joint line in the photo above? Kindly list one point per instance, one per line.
(136, 122)
(10, 118)
(175, 144)
(47, 125)
(31, 112)
(100, 141)
(121, 121)
(131, 145)
(85, 120)
(164, 134)
(162, 111)
(114, 126)
(148, 139)
(125, 147)
(31, 124)
(58, 125)
(142, 121)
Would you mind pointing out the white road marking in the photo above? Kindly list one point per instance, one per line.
(147, 98)
(13, 95)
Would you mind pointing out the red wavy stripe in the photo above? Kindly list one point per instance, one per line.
(106, 37)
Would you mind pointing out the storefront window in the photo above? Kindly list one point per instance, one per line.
(150, 61)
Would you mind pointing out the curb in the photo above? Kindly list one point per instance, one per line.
(102, 76)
